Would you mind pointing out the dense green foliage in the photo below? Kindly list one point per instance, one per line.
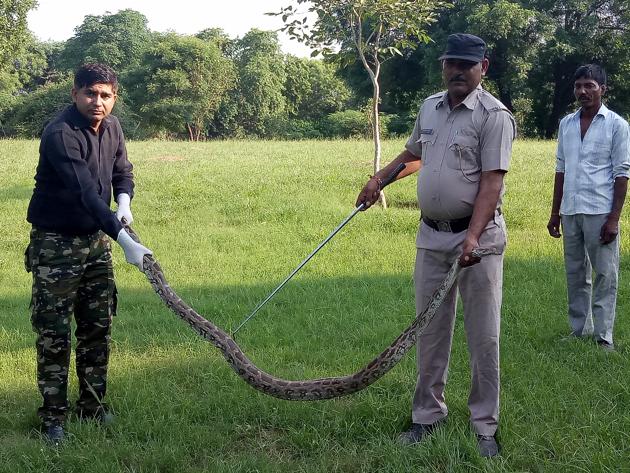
(247, 88)
(180, 84)
(228, 221)
(535, 47)
(117, 39)
(14, 38)
(32, 111)
(367, 31)
(260, 94)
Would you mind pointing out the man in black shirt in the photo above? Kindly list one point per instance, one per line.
(82, 157)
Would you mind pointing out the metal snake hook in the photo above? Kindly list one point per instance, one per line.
(388, 180)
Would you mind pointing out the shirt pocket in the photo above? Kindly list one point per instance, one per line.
(426, 141)
(463, 156)
(597, 151)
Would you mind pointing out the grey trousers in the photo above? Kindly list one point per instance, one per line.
(480, 287)
(585, 255)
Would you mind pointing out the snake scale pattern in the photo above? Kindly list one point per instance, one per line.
(308, 390)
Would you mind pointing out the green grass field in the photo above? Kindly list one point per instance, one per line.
(228, 221)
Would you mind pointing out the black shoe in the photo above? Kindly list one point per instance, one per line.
(416, 433)
(54, 433)
(606, 346)
(488, 446)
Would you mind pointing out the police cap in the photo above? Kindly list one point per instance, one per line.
(464, 46)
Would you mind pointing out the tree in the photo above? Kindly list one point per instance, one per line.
(534, 47)
(13, 28)
(375, 30)
(511, 33)
(219, 37)
(180, 85)
(30, 112)
(514, 33)
(581, 32)
(262, 75)
(312, 89)
(117, 39)
(14, 36)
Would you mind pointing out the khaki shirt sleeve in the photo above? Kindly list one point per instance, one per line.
(413, 144)
(497, 136)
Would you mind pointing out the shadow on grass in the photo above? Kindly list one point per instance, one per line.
(554, 395)
(16, 192)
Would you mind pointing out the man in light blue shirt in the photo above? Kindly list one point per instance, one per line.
(592, 169)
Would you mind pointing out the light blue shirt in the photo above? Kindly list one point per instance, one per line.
(592, 164)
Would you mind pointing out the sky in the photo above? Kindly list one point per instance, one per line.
(56, 19)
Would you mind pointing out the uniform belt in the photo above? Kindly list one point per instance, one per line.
(454, 226)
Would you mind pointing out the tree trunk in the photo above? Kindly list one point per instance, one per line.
(376, 98)
(562, 97)
(499, 73)
(376, 134)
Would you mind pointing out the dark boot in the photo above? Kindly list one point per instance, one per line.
(488, 446)
(416, 433)
(54, 433)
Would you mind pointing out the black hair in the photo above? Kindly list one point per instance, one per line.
(94, 73)
(591, 71)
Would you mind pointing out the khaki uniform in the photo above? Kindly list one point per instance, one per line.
(455, 147)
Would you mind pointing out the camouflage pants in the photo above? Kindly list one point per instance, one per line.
(71, 275)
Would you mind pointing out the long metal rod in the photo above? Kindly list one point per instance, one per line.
(388, 180)
(306, 260)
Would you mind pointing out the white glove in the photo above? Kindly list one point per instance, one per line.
(124, 208)
(134, 252)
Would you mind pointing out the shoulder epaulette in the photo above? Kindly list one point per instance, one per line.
(491, 103)
(438, 95)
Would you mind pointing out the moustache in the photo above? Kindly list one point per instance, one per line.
(457, 79)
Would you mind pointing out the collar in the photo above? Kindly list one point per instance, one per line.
(603, 112)
(469, 102)
(79, 122)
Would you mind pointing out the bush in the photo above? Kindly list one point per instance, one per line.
(346, 124)
(292, 129)
(523, 115)
(129, 121)
(384, 121)
(30, 113)
(401, 125)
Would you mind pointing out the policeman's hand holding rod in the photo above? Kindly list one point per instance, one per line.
(372, 190)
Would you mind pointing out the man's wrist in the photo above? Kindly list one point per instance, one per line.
(378, 180)
(123, 199)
